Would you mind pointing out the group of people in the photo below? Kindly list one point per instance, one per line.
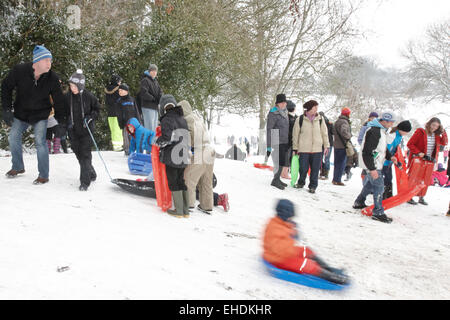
(312, 136)
(184, 143)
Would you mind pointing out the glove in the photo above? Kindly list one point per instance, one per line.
(269, 151)
(8, 117)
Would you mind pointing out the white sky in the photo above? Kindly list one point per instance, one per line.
(392, 23)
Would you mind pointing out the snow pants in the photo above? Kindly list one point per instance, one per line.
(81, 146)
(200, 176)
(303, 263)
(116, 133)
(175, 178)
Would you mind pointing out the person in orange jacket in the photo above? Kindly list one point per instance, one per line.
(281, 250)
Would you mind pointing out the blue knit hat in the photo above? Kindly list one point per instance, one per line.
(41, 52)
(285, 209)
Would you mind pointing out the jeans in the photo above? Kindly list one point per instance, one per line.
(326, 160)
(15, 145)
(340, 161)
(307, 161)
(377, 187)
(150, 118)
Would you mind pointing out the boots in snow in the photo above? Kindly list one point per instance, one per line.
(186, 213)
(382, 218)
(13, 173)
(178, 203)
(64, 146)
(324, 175)
(422, 201)
(411, 201)
(278, 184)
(223, 201)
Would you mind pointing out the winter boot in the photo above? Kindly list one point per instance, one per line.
(312, 190)
(299, 186)
(56, 145)
(13, 173)
(422, 201)
(223, 201)
(40, 180)
(49, 146)
(358, 205)
(83, 187)
(349, 176)
(186, 204)
(277, 184)
(336, 278)
(382, 218)
(411, 201)
(338, 183)
(178, 203)
(203, 210)
(325, 266)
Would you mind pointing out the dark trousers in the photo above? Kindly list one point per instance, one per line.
(81, 146)
(387, 175)
(340, 161)
(310, 161)
(175, 178)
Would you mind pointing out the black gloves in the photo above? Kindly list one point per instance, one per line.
(8, 117)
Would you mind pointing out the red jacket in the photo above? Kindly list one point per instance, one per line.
(418, 143)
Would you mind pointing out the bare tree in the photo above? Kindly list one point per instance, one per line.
(429, 64)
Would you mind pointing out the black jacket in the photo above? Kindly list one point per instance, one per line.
(174, 139)
(126, 109)
(77, 108)
(150, 93)
(111, 97)
(32, 102)
(234, 153)
(291, 127)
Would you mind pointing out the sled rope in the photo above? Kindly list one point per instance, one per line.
(100, 155)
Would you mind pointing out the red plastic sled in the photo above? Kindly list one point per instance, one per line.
(163, 195)
(263, 166)
(416, 182)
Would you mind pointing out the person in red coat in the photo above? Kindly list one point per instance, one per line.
(425, 143)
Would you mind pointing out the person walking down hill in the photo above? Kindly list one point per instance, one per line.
(310, 141)
(82, 110)
(374, 153)
(34, 83)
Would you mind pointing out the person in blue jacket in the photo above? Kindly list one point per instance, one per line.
(141, 138)
(394, 140)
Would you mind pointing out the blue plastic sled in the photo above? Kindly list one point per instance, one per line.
(302, 279)
(140, 163)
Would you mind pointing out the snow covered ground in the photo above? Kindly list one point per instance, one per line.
(121, 246)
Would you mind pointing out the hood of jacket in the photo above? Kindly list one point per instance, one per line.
(135, 123)
(187, 109)
(111, 88)
(375, 123)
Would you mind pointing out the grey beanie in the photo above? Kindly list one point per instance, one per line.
(152, 67)
(78, 79)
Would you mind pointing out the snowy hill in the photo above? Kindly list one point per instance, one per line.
(121, 246)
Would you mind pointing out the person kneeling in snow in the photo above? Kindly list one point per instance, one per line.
(141, 138)
(280, 248)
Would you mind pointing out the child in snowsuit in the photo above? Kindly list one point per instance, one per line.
(281, 250)
(53, 134)
(141, 138)
(82, 108)
(175, 146)
(126, 109)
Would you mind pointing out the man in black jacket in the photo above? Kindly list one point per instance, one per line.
(149, 97)
(82, 109)
(34, 83)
